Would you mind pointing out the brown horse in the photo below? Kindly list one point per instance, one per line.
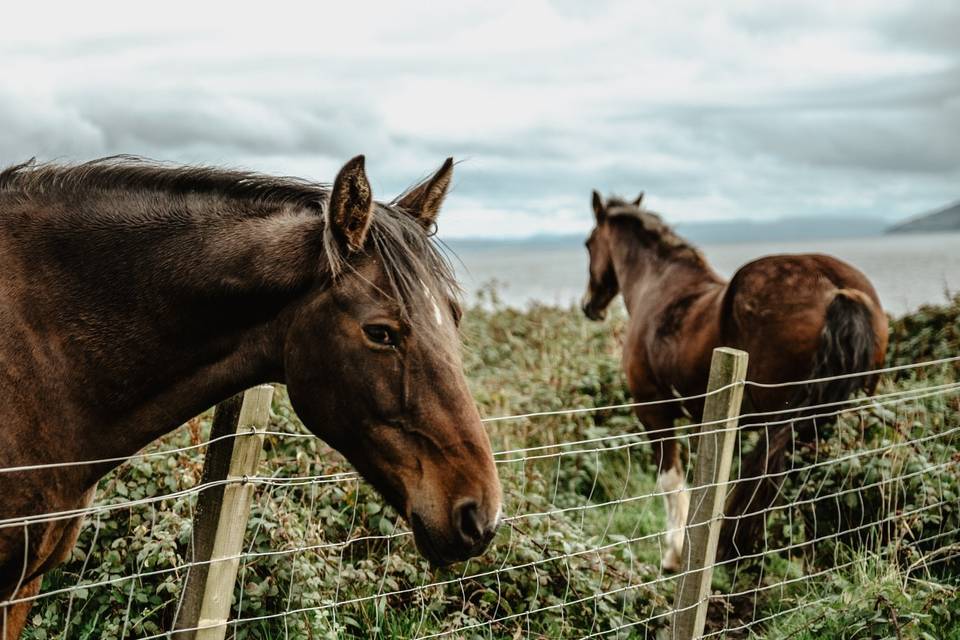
(134, 296)
(798, 316)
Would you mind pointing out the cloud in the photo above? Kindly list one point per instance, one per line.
(745, 109)
(932, 26)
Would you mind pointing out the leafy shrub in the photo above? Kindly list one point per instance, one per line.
(591, 554)
(871, 599)
(881, 488)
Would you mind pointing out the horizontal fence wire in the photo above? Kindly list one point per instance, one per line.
(313, 479)
(356, 600)
(596, 545)
(521, 416)
(339, 477)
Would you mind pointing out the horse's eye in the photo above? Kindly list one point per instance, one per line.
(381, 334)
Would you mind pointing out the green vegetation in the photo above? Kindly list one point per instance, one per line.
(583, 560)
(899, 579)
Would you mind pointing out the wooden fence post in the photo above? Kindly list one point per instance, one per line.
(221, 516)
(216, 464)
(728, 370)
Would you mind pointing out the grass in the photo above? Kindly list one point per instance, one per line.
(518, 362)
(873, 598)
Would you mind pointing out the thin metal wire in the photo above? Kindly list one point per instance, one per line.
(897, 397)
(858, 374)
(792, 547)
(677, 432)
(72, 513)
(167, 452)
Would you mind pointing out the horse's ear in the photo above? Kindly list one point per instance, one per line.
(639, 200)
(351, 204)
(598, 208)
(424, 200)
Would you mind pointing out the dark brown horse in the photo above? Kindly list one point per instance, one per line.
(134, 296)
(798, 316)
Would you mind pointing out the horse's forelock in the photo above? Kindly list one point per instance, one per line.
(415, 265)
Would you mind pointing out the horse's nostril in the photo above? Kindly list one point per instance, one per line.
(466, 517)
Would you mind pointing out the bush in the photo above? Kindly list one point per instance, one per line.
(517, 362)
(895, 464)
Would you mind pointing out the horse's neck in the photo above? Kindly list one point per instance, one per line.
(146, 325)
(650, 282)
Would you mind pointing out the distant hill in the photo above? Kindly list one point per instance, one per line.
(947, 219)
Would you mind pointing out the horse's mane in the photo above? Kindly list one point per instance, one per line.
(131, 173)
(410, 256)
(652, 226)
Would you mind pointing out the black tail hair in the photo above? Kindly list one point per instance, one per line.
(847, 345)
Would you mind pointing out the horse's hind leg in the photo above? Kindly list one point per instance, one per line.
(671, 482)
(758, 488)
(14, 616)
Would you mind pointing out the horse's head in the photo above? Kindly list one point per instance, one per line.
(373, 366)
(602, 287)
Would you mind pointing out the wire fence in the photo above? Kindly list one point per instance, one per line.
(579, 553)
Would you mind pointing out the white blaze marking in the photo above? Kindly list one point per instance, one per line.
(437, 316)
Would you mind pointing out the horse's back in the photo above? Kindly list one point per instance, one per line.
(776, 308)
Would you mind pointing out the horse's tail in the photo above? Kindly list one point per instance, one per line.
(848, 344)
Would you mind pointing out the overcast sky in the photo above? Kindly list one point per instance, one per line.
(718, 110)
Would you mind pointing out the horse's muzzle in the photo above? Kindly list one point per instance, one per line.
(470, 538)
(592, 312)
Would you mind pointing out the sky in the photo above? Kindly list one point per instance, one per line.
(753, 110)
